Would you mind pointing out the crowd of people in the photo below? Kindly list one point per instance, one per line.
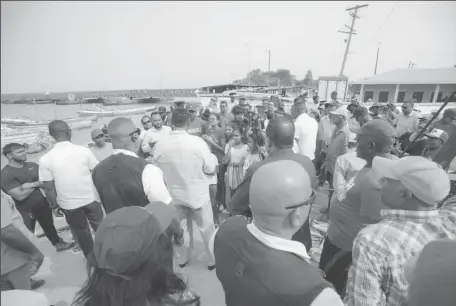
(392, 219)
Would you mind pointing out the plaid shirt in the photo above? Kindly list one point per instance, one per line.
(381, 250)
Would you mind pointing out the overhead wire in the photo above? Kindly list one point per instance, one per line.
(384, 23)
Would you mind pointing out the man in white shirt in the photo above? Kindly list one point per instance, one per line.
(306, 129)
(154, 134)
(407, 121)
(66, 172)
(185, 161)
(123, 179)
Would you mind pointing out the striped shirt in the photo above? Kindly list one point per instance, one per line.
(381, 250)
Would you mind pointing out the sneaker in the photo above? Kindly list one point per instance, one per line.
(63, 246)
(35, 284)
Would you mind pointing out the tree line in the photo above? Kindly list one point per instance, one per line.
(280, 77)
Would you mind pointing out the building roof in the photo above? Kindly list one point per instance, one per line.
(412, 76)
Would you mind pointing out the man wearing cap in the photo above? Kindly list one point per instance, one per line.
(360, 206)
(242, 101)
(100, 148)
(258, 263)
(185, 161)
(435, 140)
(165, 118)
(20, 179)
(123, 178)
(335, 100)
(448, 121)
(338, 145)
(411, 190)
(66, 173)
(155, 133)
(361, 115)
(280, 137)
(306, 129)
(407, 121)
(213, 105)
(232, 99)
(196, 125)
(375, 109)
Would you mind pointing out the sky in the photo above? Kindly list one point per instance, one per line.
(82, 46)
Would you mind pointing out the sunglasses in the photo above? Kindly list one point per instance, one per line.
(135, 131)
(100, 136)
(310, 201)
(146, 122)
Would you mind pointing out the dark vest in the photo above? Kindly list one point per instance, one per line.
(254, 274)
(118, 180)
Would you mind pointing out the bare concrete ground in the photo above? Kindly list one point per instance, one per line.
(65, 272)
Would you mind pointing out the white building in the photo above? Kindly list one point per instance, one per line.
(408, 84)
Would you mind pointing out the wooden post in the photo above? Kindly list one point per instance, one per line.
(396, 93)
(436, 93)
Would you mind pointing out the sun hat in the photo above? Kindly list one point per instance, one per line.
(379, 130)
(96, 132)
(421, 176)
(341, 111)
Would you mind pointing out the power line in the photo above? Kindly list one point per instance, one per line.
(384, 23)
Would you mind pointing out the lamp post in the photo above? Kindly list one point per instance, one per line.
(269, 67)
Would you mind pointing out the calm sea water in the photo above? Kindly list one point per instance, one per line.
(51, 112)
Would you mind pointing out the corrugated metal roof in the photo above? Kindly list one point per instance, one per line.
(412, 76)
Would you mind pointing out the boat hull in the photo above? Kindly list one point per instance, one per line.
(147, 100)
(115, 112)
(68, 102)
(25, 122)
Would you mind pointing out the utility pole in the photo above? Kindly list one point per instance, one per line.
(352, 31)
(269, 67)
(376, 62)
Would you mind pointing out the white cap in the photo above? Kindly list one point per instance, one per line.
(421, 176)
(436, 133)
(341, 111)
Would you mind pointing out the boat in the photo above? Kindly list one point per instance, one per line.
(148, 100)
(40, 101)
(24, 122)
(9, 120)
(77, 125)
(25, 138)
(118, 101)
(71, 102)
(115, 112)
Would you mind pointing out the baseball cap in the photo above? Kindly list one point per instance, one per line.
(421, 176)
(96, 132)
(378, 129)
(127, 236)
(191, 107)
(436, 133)
(341, 111)
(232, 94)
(162, 109)
(241, 98)
(376, 104)
(450, 112)
(360, 111)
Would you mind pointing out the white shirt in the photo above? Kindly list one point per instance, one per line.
(347, 167)
(306, 129)
(212, 178)
(152, 178)
(154, 135)
(326, 297)
(185, 160)
(70, 167)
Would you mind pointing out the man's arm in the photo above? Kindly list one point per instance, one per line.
(146, 147)
(23, 191)
(364, 285)
(209, 164)
(339, 176)
(154, 185)
(240, 201)
(92, 159)
(13, 237)
(45, 175)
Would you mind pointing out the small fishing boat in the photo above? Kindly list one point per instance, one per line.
(118, 101)
(9, 120)
(27, 138)
(115, 112)
(78, 125)
(27, 123)
(40, 101)
(71, 102)
(147, 100)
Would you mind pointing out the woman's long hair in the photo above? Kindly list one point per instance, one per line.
(152, 281)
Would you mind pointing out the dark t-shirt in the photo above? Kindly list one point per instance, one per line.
(196, 127)
(14, 177)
